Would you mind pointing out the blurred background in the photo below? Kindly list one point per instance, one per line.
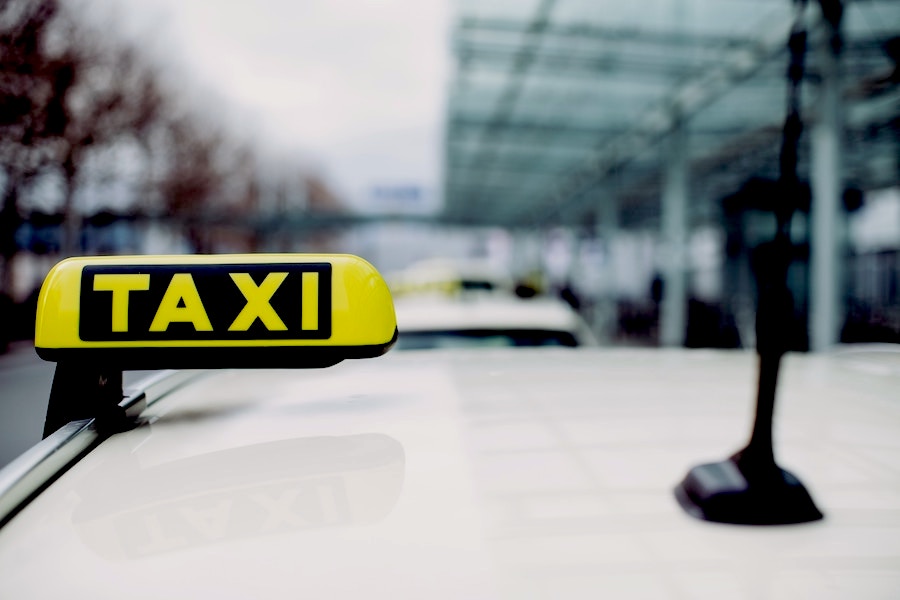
(619, 157)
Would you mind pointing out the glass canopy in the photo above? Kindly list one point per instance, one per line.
(559, 108)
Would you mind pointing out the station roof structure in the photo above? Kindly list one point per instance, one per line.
(559, 108)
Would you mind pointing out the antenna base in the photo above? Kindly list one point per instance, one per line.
(732, 491)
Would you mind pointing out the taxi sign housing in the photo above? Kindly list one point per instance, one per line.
(265, 310)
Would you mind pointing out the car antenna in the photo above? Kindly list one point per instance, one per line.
(749, 487)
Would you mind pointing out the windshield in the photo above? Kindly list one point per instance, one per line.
(469, 338)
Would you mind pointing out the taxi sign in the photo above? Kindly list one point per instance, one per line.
(247, 310)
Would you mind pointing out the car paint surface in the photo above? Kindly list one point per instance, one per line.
(493, 312)
(544, 473)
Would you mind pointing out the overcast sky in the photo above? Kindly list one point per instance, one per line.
(357, 87)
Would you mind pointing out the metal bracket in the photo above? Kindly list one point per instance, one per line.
(82, 391)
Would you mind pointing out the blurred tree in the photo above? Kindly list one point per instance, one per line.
(75, 104)
(30, 90)
(111, 95)
(191, 175)
(64, 92)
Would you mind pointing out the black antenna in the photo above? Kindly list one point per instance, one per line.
(749, 487)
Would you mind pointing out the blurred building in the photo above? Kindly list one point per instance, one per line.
(650, 134)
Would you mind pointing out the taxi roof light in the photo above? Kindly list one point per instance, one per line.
(102, 315)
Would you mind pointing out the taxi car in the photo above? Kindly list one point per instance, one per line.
(493, 320)
(449, 278)
(526, 473)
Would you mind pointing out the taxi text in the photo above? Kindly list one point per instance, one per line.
(205, 302)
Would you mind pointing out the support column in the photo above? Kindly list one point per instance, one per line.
(827, 241)
(673, 312)
(606, 320)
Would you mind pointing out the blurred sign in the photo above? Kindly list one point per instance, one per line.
(402, 199)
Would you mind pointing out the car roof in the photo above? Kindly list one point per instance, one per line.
(502, 473)
(484, 311)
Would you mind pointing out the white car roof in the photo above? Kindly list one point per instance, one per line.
(484, 311)
(494, 474)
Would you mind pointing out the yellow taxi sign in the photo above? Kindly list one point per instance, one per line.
(246, 310)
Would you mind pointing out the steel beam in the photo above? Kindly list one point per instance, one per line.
(519, 67)
(686, 100)
(673, 311)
